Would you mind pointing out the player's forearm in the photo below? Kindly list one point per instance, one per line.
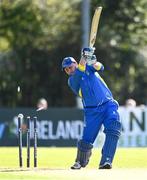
(82, 65)
(98, 66)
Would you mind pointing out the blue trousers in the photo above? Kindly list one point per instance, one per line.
(94, 118)
(107, 116)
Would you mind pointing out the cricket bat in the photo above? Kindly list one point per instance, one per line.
(94, 26)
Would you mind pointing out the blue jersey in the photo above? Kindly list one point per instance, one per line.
(90, 86)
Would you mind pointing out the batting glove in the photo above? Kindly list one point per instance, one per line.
(92, 60)
(88, 52)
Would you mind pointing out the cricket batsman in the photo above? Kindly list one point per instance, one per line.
(100, 108)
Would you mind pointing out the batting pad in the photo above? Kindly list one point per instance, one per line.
(84, 152)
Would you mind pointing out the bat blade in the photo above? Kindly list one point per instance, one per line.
(94, 26)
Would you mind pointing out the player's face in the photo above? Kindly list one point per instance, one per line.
(71, 69)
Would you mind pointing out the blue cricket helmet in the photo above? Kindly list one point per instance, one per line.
(67, 61)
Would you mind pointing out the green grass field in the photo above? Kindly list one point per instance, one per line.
(54, 164)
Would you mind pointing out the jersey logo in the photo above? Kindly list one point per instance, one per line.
(87, 73)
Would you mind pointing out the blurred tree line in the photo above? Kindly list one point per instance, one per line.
(36, 35)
